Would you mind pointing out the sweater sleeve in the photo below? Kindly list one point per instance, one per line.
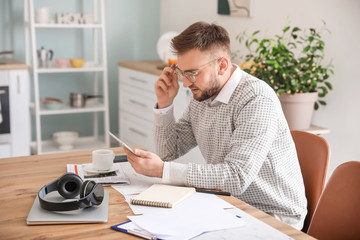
(173, 139)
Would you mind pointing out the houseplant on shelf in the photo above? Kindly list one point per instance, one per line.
(291, 63)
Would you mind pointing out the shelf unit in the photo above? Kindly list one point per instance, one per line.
(97, 66)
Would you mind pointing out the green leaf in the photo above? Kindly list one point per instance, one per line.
(285, 29)
(329, 85)
(256, 32)
(306, 49)
(313, 49)
(280, 91)
(324, 91)
(295, 29)
(254, 40)
(322, 102)
(316, 106)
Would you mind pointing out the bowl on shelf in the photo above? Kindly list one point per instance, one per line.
(65, 139)
(52, 103)
(62, 62)
(77, 62)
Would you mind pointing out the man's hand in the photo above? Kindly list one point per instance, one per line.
(145, 163)
(166, 87)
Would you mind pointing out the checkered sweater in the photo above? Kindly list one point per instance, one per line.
(247, 146)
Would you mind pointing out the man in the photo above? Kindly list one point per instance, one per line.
(237, 122)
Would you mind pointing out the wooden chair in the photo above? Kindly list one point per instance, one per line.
(313, 153)
(338, 211)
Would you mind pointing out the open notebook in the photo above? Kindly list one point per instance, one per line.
(160, 195)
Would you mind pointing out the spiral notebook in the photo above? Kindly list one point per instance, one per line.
(161, 195)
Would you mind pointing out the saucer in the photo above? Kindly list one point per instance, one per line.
(89, 168)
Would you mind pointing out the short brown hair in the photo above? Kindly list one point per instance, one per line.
(203, 37)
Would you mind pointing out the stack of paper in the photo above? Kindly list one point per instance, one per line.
(195, 215)
(203, 215)
(186, 223)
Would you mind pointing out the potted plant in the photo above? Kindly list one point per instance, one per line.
(291, 63)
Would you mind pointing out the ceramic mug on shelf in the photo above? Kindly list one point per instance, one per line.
(102, 159)
(62, 62)
(42, 15)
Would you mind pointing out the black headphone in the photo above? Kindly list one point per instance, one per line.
(69, 186)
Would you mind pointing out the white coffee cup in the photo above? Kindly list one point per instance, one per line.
(103, 159)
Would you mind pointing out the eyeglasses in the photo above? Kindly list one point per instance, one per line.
(191, 75)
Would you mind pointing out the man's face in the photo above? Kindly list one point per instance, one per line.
(207, 84)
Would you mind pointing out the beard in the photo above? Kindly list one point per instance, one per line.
(212, 90)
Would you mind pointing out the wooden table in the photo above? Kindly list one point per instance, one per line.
(22, 177)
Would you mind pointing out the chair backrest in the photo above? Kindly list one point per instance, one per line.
(313, 153)
(338, 211)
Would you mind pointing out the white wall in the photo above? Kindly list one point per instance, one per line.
(342, 114)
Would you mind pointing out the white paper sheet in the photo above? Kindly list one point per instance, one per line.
(254, 229)
(191, 220)
(131, 226)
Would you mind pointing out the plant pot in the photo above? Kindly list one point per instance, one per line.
(298, 109)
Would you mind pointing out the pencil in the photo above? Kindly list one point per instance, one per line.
(213, 192)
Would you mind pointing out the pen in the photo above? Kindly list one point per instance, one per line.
(213, 192)
(142, 235)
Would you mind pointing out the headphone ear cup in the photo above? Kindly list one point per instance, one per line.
(69, 185)
(86, 188)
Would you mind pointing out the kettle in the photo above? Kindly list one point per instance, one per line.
(44, 56)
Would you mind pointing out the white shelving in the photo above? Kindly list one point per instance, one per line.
(97, 66)
(83, 143)
(53, 25)
(67, 109)
(71, 70)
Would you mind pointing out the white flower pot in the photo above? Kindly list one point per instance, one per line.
(298, 109)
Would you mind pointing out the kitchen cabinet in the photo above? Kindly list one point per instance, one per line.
(93, 73)
(136, 101)
(14, 109)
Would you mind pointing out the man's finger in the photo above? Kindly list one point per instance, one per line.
(161, 85)
(142, 153)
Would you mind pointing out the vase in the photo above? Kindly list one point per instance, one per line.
(298, 109)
